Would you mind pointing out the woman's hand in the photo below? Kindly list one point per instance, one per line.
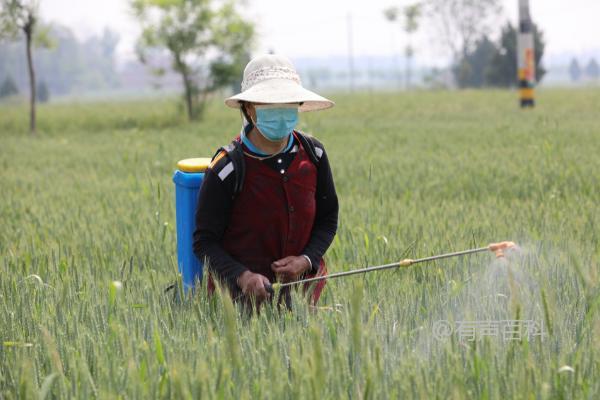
(290, 268)
(253, 285)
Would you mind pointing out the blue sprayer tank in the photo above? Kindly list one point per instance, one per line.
(188, 179)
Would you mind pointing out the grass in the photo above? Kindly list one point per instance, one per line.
(90, 201)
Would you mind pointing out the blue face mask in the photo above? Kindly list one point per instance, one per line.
(277, 123)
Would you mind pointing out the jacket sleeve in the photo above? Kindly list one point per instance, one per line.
(326, 218)
(212, 217)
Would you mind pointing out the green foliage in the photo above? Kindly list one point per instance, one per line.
(410, 23)
(412, 13)
(21, 16)
(14, 15)
(391, 13)
(43, 36)
(91, 202)
(410, 16)
(207, 40)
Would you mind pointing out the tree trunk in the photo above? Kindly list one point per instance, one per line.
(187, 85)
(189, 101)
(28, 37)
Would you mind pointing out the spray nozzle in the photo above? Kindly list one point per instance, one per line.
(498, 248)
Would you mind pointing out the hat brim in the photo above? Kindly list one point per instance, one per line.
(281, 91)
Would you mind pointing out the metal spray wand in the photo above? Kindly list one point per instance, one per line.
(496, 248)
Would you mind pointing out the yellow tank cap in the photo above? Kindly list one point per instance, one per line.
(193, 164)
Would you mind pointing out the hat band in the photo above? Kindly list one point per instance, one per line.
(267, 73)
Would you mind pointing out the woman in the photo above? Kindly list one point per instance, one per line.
(267, 209)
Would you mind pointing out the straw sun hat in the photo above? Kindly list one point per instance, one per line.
(272, 79)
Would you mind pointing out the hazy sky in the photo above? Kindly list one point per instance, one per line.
(320, 27)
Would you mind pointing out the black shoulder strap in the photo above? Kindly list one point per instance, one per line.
(310, 147)
(236, 155)
(239, 166)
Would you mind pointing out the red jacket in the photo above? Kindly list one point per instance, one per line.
(273, 216)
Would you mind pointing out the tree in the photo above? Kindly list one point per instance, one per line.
(471, 70)
(502, 70)
(8, 87)
(411, 24)
(208, 42)
(22, 16)
(461, 23)
(411, 14)
(391, 14)
(69, 65)
(575, 70)
(592, 70)
(42, 92)
(108, 43)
